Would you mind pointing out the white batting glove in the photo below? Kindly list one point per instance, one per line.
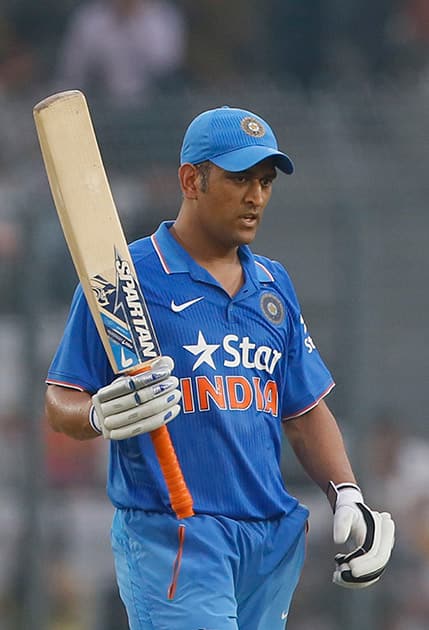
(131, 405)
(370, 535)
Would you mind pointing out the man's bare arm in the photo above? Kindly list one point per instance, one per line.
(319, 446)
(67, 411)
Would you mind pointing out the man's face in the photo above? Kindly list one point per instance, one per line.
(231, 205)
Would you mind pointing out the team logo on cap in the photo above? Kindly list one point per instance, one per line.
(253, 127)
(272, 308)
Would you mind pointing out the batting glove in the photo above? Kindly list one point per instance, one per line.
(136, 404)
(370, 534)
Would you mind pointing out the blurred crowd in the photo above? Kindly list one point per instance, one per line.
(125, 49)
(130, 56)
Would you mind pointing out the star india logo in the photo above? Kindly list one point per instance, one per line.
(247, 385)
(253, 127)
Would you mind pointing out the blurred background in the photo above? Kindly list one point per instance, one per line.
(346, 86)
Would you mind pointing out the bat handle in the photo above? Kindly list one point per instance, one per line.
(180, 497)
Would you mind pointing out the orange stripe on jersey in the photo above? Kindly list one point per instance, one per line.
(51, 381)
(159, 253)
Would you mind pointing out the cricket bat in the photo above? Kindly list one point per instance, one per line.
(95, 238)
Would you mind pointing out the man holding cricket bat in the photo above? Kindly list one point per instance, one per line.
(237, 367)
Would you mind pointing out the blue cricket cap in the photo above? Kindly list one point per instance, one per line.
(233, 139)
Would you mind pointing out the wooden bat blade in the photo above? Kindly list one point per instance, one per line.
(92, 229)
(97, 244)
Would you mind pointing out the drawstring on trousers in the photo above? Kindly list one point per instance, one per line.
(177, 562)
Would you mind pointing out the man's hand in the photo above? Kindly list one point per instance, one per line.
(131, 405)
(370, 534)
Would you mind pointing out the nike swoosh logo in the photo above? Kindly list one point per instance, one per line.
(124, 361)
(177, 308)
(284, 615)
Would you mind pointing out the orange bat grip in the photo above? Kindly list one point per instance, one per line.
(180, 497)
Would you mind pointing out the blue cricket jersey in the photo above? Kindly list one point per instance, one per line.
(245, 364)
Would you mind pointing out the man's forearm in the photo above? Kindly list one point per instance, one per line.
(67, 411)
(319, 446)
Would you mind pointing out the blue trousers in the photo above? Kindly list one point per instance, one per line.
(232, 574)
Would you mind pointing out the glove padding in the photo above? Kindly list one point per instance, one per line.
(136, 404)
(370, 534)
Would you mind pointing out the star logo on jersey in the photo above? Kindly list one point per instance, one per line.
(204, 350)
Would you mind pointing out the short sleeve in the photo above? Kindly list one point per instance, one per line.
(80, 360)
(308, 379)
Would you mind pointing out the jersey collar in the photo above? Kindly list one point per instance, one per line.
(174, 259)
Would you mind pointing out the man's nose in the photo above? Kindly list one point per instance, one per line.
(254, 193)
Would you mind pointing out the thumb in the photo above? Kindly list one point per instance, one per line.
(343, 521)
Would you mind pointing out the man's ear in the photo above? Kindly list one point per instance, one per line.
(188, 178)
